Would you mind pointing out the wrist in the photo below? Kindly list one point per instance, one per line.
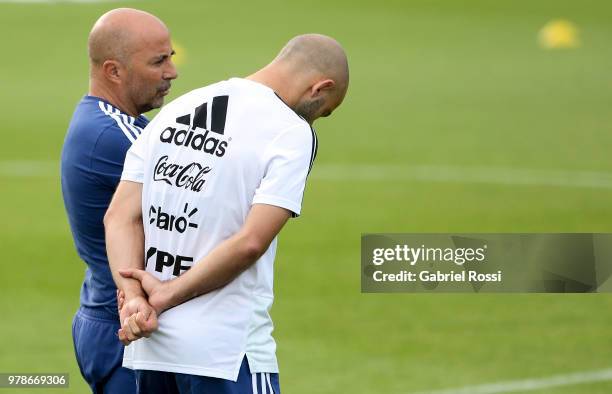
(170, 294)
(132, 289)
(165, 298)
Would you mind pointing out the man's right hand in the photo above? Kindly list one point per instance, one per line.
(138, 319)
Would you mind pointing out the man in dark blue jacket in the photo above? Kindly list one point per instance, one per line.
(130, 73)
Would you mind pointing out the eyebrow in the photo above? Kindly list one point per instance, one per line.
(163, 56)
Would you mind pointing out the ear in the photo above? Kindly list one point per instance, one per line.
(112, 70)
(325, 84)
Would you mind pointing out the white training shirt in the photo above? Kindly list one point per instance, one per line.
(204, 160)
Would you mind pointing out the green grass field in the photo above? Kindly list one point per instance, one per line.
(442, 84)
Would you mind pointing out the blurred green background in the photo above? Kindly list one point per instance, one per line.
(456, 120)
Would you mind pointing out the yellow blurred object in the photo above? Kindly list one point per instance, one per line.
(559, 34)
(179, 55)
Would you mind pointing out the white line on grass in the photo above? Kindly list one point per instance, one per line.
(392, 173)
(530, 384)
(29, 168)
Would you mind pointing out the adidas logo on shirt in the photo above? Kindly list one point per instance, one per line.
(205, 142)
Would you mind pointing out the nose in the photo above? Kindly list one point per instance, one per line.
(170, 72)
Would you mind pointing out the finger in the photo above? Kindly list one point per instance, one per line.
(132, 273)
(145, 329)
(126, 273)
(127, 329)
(123, 337)
(120, 299)
(133, 322)
(146, 313)
(151, 323)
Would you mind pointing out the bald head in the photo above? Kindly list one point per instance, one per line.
(130, 54)
(120, 32)
(310, 74)
(316, 54)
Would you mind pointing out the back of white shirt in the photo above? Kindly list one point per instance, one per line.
(204, 160)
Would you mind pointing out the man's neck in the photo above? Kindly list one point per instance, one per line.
(276, 79)
(103, 92)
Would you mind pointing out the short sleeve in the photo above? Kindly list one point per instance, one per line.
(107, 157)
(133, 168)
(288, 160)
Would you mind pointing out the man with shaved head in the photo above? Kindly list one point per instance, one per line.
(201, 200)
(130, 73)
